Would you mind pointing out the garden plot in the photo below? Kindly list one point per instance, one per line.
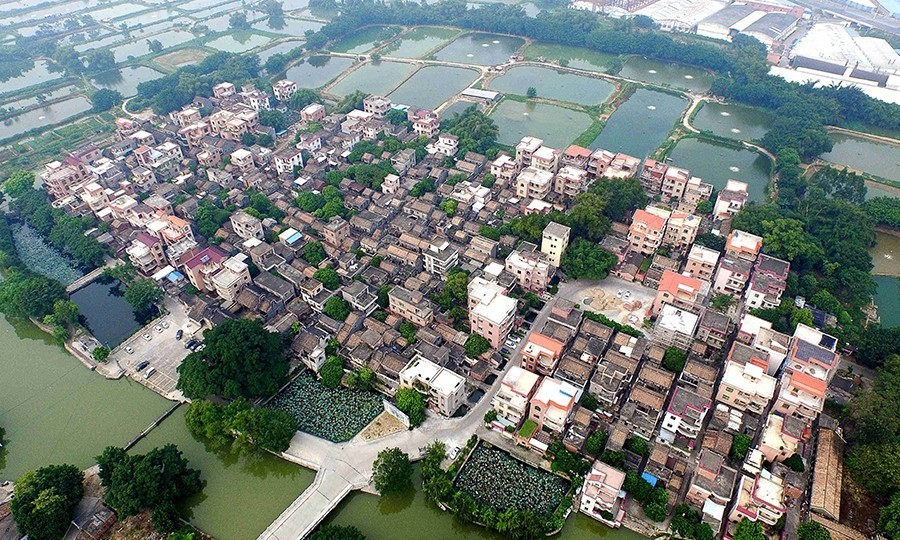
(495, 478)
(335, 414)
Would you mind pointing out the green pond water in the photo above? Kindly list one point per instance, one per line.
(242, 495)
(292, 27)
(717, 164)
(553, 84)
(733, 121)
(480, 49)
(419, 41)
(576, 57)
(377, 78)
(874, 190)
(873, 157)
(667, 73)
(885, 255)
(238, 42)
(56, 411)
(431, 86)
(281, 48)
(364, 40)
(407, 515)
(557, 126)
(31, 101)
(38, 74)
(640, 125)
(127, 79)
(316, 71)
(141, 47)
(458, 107)
(102, 42)
(43, 116)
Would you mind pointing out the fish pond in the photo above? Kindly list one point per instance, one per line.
(716, 164)
(557, 126)
(431, 86)
(480, 49)
(316, 71)
(377, 78)
(418, 42)
(667, 74)
(733, 121)
(641, 124)
(869, 156)
(552, 84)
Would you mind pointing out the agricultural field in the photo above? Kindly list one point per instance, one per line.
(493, 477)
(335, 414)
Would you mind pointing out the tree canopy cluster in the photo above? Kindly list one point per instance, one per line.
(240, 359)
(476, 131)
(156, 480)
(392, 471)
(45, 500)
(241, 426)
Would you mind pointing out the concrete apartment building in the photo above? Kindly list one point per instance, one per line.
(767, 282)
(146, 253)
(533, 183)
(681, 229)
(807, 371)
(759, 498)
(284, 89)
(412, 306)
(701, 262)
(530, 267)
(231, 278)
(742, 245)
(526, 149)
(647, 229)
(683, 419)
(602, 496)
(541, 354)
(505, 169)
(554, 241)
(201, 268)
(570, 181)
(246, 226)
(732, 276)
(491, 312)
(731, 200)
(745, 386)
(711, 487)
(675, 327)
(378, 106)
(516, 390)
(674, 181)
(337, 231)
(681, 291)
(553, 405)
(545, 159)
(445, 391)
(440, 257)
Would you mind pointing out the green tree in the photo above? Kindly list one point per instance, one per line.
(105, 99)
(411, 403)
(596, 442)
(740, 445)
(476, 345)
(274, 119)
(45, 500)
(749, 530)
(314, 253)
(392, 471)
(238, 21)
(408, 331)
(655, 512)
(240, 358)
(812, 530)
(674, 359)
(638, 445)
(100, 353)
(143, 294)
(889, 519)
(705, 207)
(303, 97)
(795, 463)
(101, 60)
(329, 278)
(156, 480)
(337, 532)
(531, 92)
(449, 207)
(332, 371)
(241, 426)
(18, 183)
(584, 259)
(337, 308)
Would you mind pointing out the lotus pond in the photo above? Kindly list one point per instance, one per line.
(335, 414)
(493, 477)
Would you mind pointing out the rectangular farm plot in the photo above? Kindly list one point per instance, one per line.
(493, 477)
(334, 414)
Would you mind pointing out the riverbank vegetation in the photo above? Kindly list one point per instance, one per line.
(392, 471)
(46, 499)
(240, 359)
(157, 480)
(241, 426)
(142, 294)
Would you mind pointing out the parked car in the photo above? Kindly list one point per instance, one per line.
(190, 343)
(514, 338)
(149, 373)
(158, 328)
(179, 333)
(129, 350)
(147, 336)
(165, 324)
(142, 365)
(504, 350)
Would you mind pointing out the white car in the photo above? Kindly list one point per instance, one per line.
(619, 294)
(627, 294)
(147, 336)
(514, 338)
(129, 350)
(158, 328)
(165, 324)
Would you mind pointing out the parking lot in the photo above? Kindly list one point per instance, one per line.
(162, 350)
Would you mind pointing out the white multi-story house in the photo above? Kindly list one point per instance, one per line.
(516, 390)
(445, 390)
